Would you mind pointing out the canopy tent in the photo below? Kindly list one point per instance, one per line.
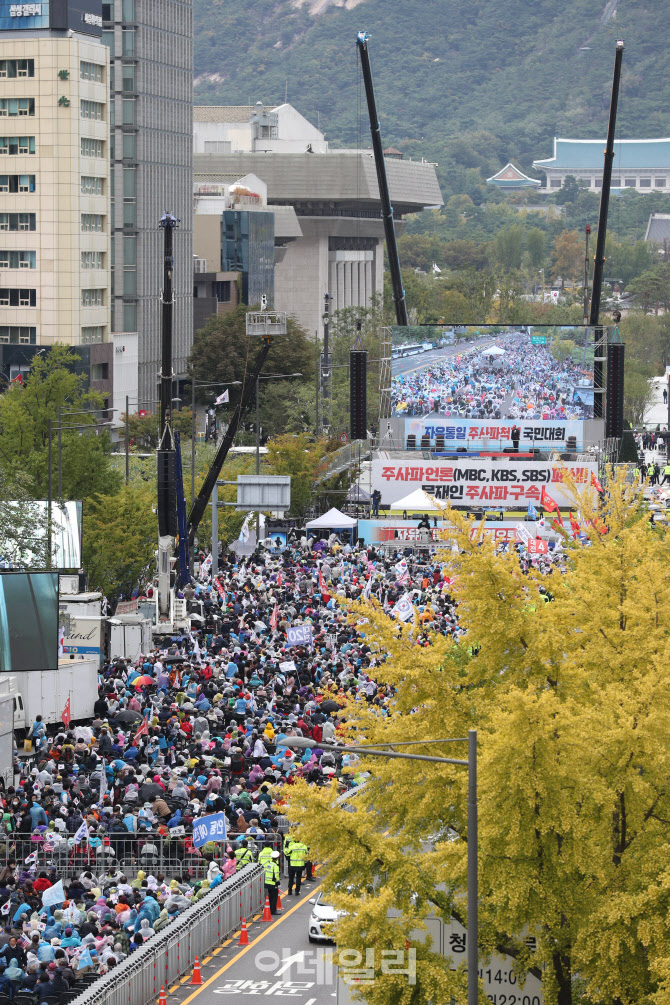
(493, 350)
(416, 502)
(357, 494)
(332, 520)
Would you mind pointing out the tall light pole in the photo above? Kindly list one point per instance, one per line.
(304, 742)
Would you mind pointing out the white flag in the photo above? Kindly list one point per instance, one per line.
(368, 588)
(103, 784)
(404, 608)
(82, 833)
(223, 399)
(54, 895)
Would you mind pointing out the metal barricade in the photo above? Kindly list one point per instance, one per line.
(139, 978)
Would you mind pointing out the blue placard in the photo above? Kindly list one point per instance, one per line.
(298, 635)
(211, 828)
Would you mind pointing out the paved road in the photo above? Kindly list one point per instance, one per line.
(279, 962)
(410, 364)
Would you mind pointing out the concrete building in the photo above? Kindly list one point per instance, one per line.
(640, 164)
(658, 231)
(151, 84)
(335, 198)
(278, 129)
(54, 175)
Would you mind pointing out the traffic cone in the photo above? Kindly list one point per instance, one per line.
(244, 937)
(162, 998)
(279, 907)
(266, 909)
(196, 978)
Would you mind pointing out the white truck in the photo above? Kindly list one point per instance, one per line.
(45, 692)
(128, 636)
(6, 734)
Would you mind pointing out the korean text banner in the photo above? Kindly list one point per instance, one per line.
(496, 434)
(478, 483)
(298, 635)
(211, 828)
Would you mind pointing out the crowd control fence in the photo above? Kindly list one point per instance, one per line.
(170, 953)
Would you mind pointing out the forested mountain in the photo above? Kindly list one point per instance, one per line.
(468, 83)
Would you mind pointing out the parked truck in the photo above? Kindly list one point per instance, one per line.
(6, 734)
(45, 693)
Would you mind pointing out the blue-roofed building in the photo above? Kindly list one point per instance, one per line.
(640, 164)
(511, 179)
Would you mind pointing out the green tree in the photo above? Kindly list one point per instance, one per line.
(536, 247)
(509, 247)
(143, 430)
(120, 534)
(568, 256)
(300, 458)
(561, 349)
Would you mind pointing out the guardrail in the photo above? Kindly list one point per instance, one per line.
(168, 955)
(173, 856)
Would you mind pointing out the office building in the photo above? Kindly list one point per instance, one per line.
(54, 175)
(151, 82)
(333, 194)
(640, 164)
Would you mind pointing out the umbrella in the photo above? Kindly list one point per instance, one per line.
(149, 791)
(329, 706)
(128, 715)
(143, 680)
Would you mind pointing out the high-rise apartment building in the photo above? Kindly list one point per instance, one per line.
(54, 174)
(151, 88)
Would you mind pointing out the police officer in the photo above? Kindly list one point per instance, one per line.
(271, 868)
(265, 855)
(297, 857)
(244, 855)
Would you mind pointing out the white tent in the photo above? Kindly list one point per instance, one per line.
(332, 520)
(416, 502)
(493, 350)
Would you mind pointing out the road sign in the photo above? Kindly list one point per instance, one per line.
(538, 340)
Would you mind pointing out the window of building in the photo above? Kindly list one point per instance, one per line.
(92, 298)
(20, 334)
(222, 291)
(128, 112)
(645, 182)
(129, 251)
(107, 38)
(17, 67)
(128, 77)
(555, 183)
(91, 334)
(17, 221)
(659, 182)
(598, 183)
(92, 223)
(92, 110)
(91, 185)
(91, 71)
(130, 317)
(616, 182)
(91, 147)
(629, 182)
(129, 282)
(100, 371)
(17, 182)
(17, 260)
(129, 146)
(15, 145)
(218, 146)
(92, 259)
(17, 106)
(128, 10)
(128, 42)
(107, 12)
(17, 298)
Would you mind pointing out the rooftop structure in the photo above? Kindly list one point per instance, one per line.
(511, 179)
(658, 228)
(640, 164)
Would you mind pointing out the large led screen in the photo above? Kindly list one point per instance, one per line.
(489, 372)
(28, 621)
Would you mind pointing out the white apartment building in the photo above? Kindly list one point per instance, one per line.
(54, 184)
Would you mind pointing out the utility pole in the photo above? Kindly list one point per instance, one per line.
(60, 459)
(127, 441)
(49, 499)
(325, 361)
(215, 530)
(587, 233)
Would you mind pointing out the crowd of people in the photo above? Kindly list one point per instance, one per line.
(107, 808)
(524, 381)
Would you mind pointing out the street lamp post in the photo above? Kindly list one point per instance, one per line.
(304, 742)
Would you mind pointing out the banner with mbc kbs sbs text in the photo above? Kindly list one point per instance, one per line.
(476, 483)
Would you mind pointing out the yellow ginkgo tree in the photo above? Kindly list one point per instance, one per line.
(571, 701)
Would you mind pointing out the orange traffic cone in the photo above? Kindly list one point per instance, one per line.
(162, 998)
(279, 907)
(196, 979)
(266, 909)
(244, 937)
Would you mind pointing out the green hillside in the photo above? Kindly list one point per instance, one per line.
(468, 83)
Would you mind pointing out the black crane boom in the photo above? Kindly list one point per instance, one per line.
(382, 179)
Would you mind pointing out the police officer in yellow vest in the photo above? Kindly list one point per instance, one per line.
(297, 856)
(271, 868)
(244, 855)
(264, 855)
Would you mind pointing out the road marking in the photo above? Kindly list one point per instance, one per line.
(246, 949)
(288, 963)
(207, 959)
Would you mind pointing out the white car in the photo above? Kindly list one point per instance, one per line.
(321, 920)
